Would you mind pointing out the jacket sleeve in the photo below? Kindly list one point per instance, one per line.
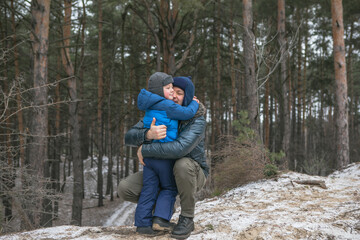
(136, 135)
(187, 140)
(178, 112)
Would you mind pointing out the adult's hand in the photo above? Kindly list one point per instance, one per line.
(139, 154)
(156, 132)
(195, 99)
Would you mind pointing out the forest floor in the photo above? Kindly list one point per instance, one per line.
(291, 206)
(113, 213)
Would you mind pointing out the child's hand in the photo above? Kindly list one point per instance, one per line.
(139, 154)
(195, 99)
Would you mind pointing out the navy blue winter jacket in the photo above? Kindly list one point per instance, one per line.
(165, 111)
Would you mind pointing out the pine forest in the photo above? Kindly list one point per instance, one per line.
(280, 81)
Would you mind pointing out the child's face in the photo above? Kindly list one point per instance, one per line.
(169, 91)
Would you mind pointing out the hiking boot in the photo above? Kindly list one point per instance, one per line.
(161, 224)
(183, 228)
(147, 231)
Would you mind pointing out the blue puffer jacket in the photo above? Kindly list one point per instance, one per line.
(189, 143)
(165, 111)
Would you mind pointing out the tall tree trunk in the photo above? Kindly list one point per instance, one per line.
(6, 199)
(267, 116)
(218, 103)
(349, 76)
(272, 136)
(342, 127)
(164, 11)
(283, 78)
(38, 129)
(232, 65)
(99, 108)
(292, 105)
(133, 89)
(169, 17)
(252, 102)
(18, 95)
(303, 126)
(151, 28)
(148, 48)
(84, 129)
(173, 16)
(84, 126)
(121, 137)
(299, 86)
(76, 217)
(109, 182)
(57, 159)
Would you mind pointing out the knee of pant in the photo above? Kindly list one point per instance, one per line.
(123, 191)
(183, 168)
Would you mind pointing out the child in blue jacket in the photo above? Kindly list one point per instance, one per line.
(159, 187)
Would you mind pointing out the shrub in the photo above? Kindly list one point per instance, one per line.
(239, 164)
(243, 158)
(270, 170)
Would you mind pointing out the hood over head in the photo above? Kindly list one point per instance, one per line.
(187, 86)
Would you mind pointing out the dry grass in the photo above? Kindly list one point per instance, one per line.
(238, 163)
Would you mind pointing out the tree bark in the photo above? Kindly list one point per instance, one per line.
(218, 104)
(350, 80)
(18, 96)
(299, 86)
(109, 183)
(58, 142)
(232, 65)
(151, 28)
(283, 78)
(99, 108)
(304, 87)
(76, 217)
(164, 9)
(342, 127)
(38, 128)
(84, 127)
(7, 179)
(267, 114)
(252, 102)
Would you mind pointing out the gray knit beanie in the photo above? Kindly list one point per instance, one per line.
(157, 81)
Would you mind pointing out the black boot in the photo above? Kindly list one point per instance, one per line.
(161, 224)
(147, 231)
(183, 228)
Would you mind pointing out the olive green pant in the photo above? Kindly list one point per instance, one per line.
(189, 178)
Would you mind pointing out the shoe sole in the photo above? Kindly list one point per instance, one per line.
(181, 236)
(150, 235)
(157, 227)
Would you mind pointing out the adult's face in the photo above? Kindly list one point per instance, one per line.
(179, 95)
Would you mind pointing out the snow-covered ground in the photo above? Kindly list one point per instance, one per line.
(277, 208)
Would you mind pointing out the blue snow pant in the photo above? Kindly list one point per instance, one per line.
(159, 189)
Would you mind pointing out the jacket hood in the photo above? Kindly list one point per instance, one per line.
(147, 99)
(187, 85)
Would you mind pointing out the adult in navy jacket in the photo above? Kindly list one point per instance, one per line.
(190, 168)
